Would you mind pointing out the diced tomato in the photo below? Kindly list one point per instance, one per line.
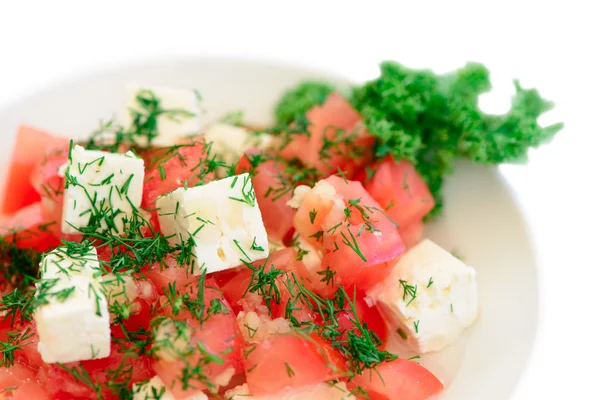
(19, 382)
(170, 168)
(235, 288)
(47, 181)
(366, 314)
(300, 311)
(359, 240)
(13, 376)
(290, 361)
(141, 313)
(126, 368)
(30, 390)
(412, 234)
(169, 271)
(337, 138)
(27, 228)
(396, 377)
(224, 276)
(31, 144)
(272, 194)
(29, 354)
(401, 191)
(218, 335)
(284, 260)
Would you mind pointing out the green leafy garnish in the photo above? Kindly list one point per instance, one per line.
(297, 101)
(431, 120)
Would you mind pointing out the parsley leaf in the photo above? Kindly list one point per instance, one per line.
(431, 120)
(297, 101)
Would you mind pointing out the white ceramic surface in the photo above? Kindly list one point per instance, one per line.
(481, 220)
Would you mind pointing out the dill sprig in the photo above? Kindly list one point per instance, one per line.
(264, 282)
(17, 339)
(18, 266)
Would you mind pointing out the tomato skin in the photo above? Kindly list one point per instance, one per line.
(288, 361)
(28, 228)
(399, 376)
(401, 191)
(277, 215)
(324, 123)
(31, 144)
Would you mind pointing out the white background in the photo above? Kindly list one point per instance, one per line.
(549, 45)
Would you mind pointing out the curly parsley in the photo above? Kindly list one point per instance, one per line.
(432, 120)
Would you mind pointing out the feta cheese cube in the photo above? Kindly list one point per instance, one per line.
(230, 141)
(102, 189)
(181, 116)
(318, 391)
(155, 389)
(429, 298)
(72, 317)
(223, 220)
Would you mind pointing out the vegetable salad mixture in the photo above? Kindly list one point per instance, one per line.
(167, 257)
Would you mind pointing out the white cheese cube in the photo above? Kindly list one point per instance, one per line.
(318, 391)
(429, 298)
(223, 220)
(229, 142)
(181, 116)
(155, 389)
(72, 319)
(102, 189)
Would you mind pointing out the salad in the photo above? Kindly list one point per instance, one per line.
(168, 257)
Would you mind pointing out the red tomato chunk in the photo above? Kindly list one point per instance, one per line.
(31, 147)
(399, 376)
(290, 361)
(337, 138)
(359, 240)
(401, 191)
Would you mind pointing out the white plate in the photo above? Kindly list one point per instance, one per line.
(481, 220)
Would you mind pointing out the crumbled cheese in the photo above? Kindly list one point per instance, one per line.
(255, 328)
